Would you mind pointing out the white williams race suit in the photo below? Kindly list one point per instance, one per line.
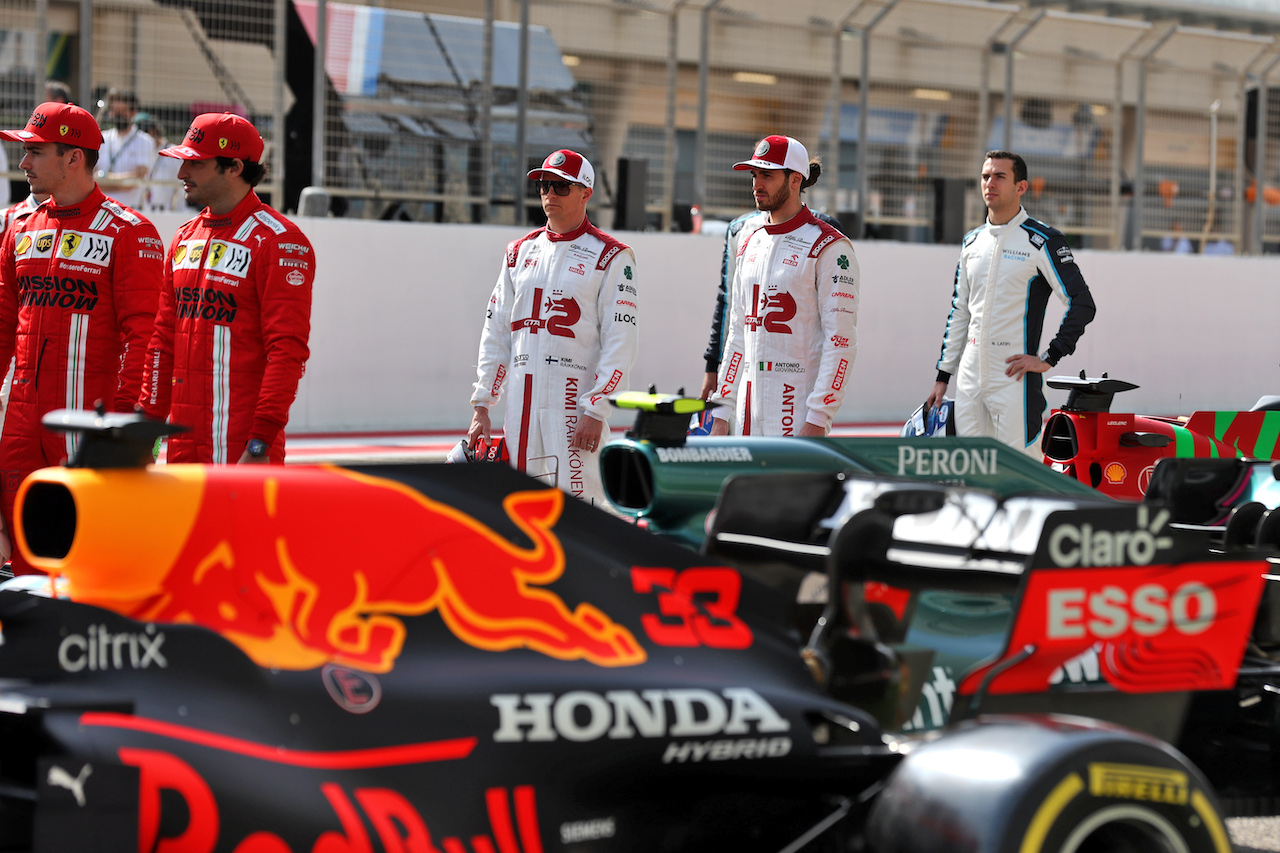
(792, 333)
(561, 335)
(1002, 286)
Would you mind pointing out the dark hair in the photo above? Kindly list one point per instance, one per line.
(815, 169)
(125, 95)
(1019, 165)
(252, 172)
(56, 90)
(90, 154)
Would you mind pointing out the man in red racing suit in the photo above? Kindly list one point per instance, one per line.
(235, 313)
(793, 307)
(79, 286)
(561, 334)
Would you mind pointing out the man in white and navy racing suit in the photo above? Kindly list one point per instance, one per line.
(1007, 269)
(793, 307)
(560, 334)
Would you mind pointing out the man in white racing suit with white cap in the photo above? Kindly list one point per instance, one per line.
(1008, 267)
(793, 307)
(560, 334)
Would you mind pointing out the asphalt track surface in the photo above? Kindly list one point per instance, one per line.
(1248, 834)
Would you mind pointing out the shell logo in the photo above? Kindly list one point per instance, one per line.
(1115, 473)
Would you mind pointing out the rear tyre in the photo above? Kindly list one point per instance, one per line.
(1047, 784)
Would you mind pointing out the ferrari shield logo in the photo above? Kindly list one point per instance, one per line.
(63, 130)
(69, 244)
(218, 250)
(222, 142)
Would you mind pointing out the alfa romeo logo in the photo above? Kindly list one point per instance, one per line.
(763, 148)
(557, 159)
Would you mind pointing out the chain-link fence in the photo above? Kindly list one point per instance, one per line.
(148, 69)
(1138, 134)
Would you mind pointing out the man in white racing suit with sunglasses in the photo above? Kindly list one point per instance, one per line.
(560, 335)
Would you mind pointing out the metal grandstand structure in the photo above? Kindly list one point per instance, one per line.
(1141, 121)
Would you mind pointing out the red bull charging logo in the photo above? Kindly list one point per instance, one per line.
(310, 566)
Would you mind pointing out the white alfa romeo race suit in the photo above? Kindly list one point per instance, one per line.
(561, 334)
(1002, 286)
(792, 333)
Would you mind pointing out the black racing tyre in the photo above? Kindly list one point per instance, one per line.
(1268, 537)
(1123, 801)
(1242, 525)
(1047, 785)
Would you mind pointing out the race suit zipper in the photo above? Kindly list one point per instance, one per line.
(39, 360)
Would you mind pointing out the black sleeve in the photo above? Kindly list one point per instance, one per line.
(1080, 306)
(715, 346)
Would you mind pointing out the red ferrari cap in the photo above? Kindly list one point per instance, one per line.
(777, 152)
(218, 135)
(55, 122)
(570, 165)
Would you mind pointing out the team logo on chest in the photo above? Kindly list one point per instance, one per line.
(229, 258)
(86, 247)
(772, 309)
(561, 314)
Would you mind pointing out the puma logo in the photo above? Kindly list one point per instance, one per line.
(75, 784)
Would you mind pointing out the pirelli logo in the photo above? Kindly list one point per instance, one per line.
(1136, 782)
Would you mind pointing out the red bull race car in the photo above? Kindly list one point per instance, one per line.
(456, 658)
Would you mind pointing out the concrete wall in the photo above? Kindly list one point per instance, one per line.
(398, 309)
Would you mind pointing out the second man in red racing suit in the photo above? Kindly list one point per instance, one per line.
(235, 315)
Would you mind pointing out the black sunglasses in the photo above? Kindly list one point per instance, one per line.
(560, 187)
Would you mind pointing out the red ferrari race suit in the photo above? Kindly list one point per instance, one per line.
(1002, 286)
(11, 217)
(234, 321)
(79, 287)
(792, 333)
(561, 332)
